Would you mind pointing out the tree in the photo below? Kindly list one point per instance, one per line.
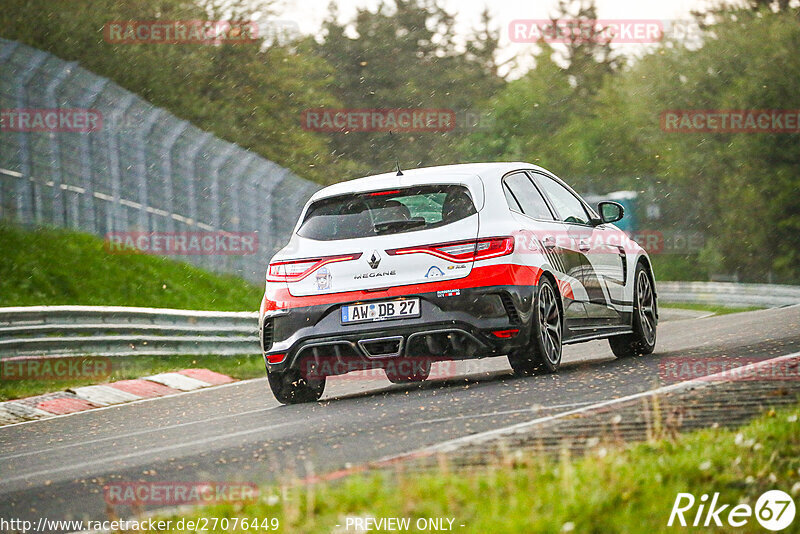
(588, 53)
(404, 56)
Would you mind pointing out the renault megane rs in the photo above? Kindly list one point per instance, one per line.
(399, 270)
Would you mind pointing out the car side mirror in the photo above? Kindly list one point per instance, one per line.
(610, 211)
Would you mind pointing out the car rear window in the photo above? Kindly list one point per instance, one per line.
(386, 212)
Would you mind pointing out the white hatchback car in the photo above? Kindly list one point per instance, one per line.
(463, 261)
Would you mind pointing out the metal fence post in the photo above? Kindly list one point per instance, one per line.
(252, 210)
(141, 167)
(5, 52)
(86, 217)
(264, 184)
(166, 168)
(196, 142)
(236, 197)
(7, 49)
(216, 163)
(191, 155)
(237, 185)
(114, 215)
(59, 217)
(26, 201)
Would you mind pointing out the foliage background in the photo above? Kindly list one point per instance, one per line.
(584, 111)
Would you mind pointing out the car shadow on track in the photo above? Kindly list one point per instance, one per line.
(476, 378)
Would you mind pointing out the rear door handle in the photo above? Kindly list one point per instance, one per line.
(584, 246)
(549, 242)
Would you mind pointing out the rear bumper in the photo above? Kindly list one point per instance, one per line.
(456, 324)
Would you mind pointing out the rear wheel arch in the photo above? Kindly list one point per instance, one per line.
(550, 276)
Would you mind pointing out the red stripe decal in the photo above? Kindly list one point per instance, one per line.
(566, 289)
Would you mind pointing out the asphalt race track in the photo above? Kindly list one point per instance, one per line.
(56, 468)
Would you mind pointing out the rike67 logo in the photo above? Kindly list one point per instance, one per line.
(774, 510)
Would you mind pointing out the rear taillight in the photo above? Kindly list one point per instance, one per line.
(458, 251)
(296, 270)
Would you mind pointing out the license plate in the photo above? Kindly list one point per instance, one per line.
(380, 311)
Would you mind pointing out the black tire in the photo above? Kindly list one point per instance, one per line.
(408, 370)
(643, 338)
(543, 353)
(290, 387)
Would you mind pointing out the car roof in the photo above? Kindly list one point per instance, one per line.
(411, 177)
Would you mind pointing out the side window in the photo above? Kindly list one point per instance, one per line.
(569, 208)
(510, 199)
(522, 195)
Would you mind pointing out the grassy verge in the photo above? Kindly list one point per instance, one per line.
(122, 368)
(624, 490)
(712, 308)
(678, 267)
(50, 267)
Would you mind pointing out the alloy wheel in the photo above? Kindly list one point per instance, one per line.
(647, 313)
(550, 324)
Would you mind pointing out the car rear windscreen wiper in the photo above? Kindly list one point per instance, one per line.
(399, 225)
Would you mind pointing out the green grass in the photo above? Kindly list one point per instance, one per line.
(124, 367)
(678, 267)
(712, 308)
(625, 490)
(50, 267)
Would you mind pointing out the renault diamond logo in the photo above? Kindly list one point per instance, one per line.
(375, 259)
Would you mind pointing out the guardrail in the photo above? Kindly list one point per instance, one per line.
(728, 294)
(122, 331)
